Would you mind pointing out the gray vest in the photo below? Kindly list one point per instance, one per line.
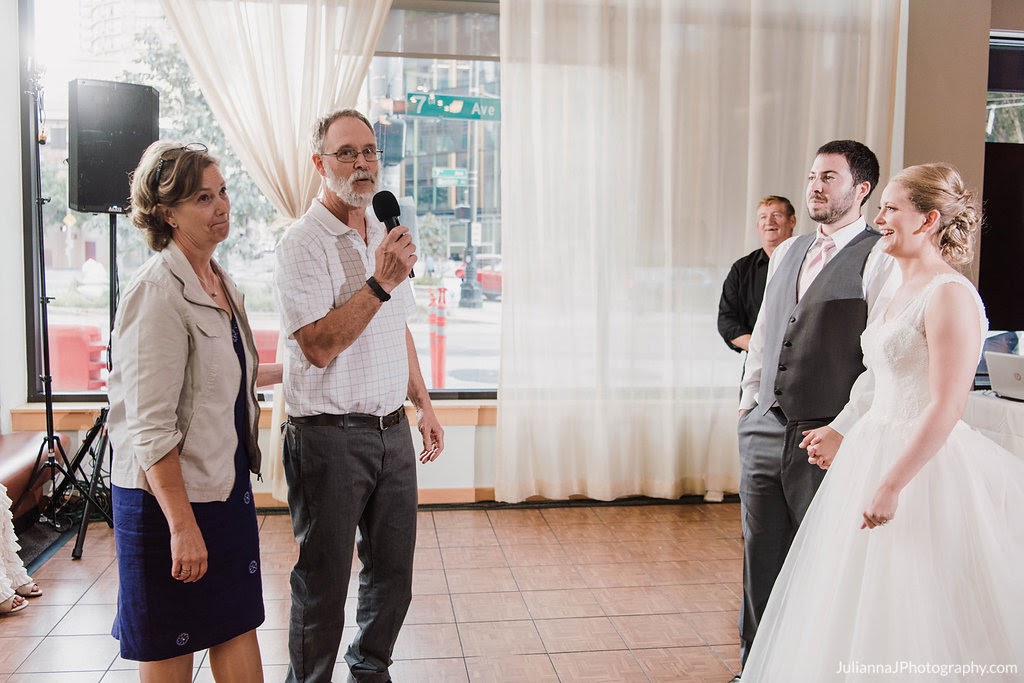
(812, 349)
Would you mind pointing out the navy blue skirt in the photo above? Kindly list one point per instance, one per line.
(159, 617)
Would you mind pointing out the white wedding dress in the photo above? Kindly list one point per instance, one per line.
(934, 595)
(12, 571)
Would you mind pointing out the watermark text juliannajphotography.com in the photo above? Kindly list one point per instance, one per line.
(908, 668)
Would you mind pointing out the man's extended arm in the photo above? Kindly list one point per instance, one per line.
(426, 421)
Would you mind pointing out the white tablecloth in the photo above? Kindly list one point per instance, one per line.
(1000, 419)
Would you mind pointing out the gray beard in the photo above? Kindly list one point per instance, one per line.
(344, 191)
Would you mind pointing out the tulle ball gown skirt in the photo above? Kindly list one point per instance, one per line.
(934, 595)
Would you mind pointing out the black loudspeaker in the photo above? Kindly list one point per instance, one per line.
(109, 127)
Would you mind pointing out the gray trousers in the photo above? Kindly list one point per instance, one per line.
(776, 487)
(341, 480)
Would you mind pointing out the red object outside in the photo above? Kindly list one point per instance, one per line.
(488, 274)
(266, 344)
(77, 357)
(432, 324)
(441, 321)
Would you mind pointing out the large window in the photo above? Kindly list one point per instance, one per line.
(1005, 107)
(433, 93)
(441, 161)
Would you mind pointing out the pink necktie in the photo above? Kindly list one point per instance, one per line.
(827, 247)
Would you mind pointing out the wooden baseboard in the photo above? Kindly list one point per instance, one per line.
(266, 501)
(463, 495)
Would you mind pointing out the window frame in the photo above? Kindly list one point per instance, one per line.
(31, 225)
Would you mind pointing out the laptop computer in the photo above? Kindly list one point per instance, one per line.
(1003, 342)
(1006, 371)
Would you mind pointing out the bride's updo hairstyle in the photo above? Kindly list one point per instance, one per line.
(167, 173)
(939, 187)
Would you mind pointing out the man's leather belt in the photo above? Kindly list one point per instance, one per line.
(352, 420)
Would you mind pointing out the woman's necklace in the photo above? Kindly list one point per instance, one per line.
(210, 289)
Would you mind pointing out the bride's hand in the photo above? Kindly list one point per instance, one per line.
(821, 445)
(882, 508)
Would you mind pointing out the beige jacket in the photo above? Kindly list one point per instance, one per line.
(175, 377)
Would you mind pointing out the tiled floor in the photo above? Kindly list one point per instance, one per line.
(637, 593)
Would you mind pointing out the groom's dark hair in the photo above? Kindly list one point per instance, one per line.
(862, 161)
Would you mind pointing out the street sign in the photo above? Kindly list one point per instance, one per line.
(451, 177)
(453, 106)
(443, 172)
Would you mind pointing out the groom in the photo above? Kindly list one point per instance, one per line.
(804, 357)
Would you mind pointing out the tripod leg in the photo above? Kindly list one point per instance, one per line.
(59, 491)
(85, 447)
(97, 469)
(54, 446)
(84, 492)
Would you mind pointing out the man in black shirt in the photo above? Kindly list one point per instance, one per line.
(744, 286)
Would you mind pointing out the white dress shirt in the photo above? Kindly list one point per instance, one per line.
(321, 262)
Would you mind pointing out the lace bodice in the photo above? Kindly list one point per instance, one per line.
(896, 353)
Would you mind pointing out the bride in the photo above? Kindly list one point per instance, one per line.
(907, 564)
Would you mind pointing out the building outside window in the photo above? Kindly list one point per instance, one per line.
(433, 94)
(1005, 106)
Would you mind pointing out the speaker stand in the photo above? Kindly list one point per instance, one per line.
(101, 421)
(51, 445)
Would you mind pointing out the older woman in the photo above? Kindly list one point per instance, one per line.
(183, 426)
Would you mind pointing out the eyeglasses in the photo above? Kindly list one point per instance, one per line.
(190, 147)
(349, 155)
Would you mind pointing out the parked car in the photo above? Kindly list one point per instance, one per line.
(488, 274)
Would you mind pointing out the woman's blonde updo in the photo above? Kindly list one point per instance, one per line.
(178, 169)
(939, 187)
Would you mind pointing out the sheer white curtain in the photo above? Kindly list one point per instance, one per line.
(268, 69)
(637, 138)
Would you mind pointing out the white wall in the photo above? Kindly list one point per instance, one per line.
(464, 473)
(947, 85)
(1007, 15)
(12, 272)
(465, 467)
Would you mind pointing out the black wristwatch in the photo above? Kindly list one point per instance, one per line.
(377, 290)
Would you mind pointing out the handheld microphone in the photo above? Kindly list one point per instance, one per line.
(387, 210)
